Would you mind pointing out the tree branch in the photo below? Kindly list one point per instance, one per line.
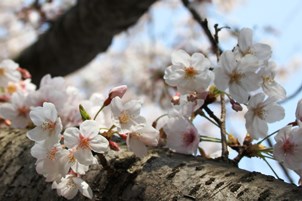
(79, 35)
(204, 25)
(161, 176)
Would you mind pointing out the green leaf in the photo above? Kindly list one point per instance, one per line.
(84, 113)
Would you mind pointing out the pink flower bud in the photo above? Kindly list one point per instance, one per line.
(236, 106)
(118, 91)
(24, 73)
(299, 111)
(114, 92)
(114, 146)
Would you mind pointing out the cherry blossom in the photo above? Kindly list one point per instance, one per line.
(48, 124)
(126, 115)
(189, 73)
(288, 147)
(48, 163)
(85, 139)
(69, 161)
(138, 139)
(17, 111)
(246, 46)
(260, 112)
(237, 76)
(268, 84)
(51, 90)
(69, 186)
(182, 136)
(9, 72)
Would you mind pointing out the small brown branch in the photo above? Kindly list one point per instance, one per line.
(211, 114)
(224, 149)
(204, 25)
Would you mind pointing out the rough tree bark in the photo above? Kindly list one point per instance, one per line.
(159, 176)
(79, 35)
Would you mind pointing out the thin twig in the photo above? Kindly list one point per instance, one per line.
(204, 25)
(211, 114)
(224, 150)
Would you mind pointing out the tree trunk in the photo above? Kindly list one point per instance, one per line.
(161, 175)
(79, 35)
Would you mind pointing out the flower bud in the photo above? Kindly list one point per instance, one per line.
(114, 92)
(235, 105)
(114, 146)
(24, 73)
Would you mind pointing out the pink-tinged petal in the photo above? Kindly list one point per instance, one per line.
(52, 139)
(37, 116)
(136, 146)
(149, 135)
(257, 128)
(249, 63)
(80, 168)
(296, 136)
(99, 144)
(262, 51)
(199, 61)
(299, 110)
(118, 91)
(274, 89)
(221, 79)
(116, 105)
(39, 151)
(274, 113)
(181, 57)
(37, 134)
(89, 128)
(172, 75)
(283, 134)
(20, 122)
(134, 107)
(67, 191)
(278, 152)
(239, 93)
(7, 111)
(245, 39)
(40, 166)
(50, 111)
(84, 188)
(84, 156)
(227, 61)
(250, 82)
(71, 137)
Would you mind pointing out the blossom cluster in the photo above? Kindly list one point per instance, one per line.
(245, 74)
(69, 131)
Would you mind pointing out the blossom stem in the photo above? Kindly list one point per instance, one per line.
(266, 137)
(212, 115)
(96, 115)
(271, 168)
(158, 118)
(210, 120)
(223, 132)
(208, 139)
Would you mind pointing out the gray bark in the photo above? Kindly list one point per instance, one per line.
(79, 35)
(161, 175)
